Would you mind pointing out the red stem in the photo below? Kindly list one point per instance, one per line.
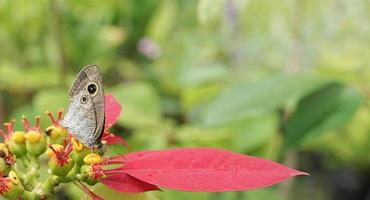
(26, 123)
(48, 113)
(60, 113)
(37, 124)
(87, 190)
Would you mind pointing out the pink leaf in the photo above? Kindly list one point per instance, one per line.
(128, 157)
(112, 110)
(206, 170)
(125, 183)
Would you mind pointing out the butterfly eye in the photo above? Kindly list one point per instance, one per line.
(92, 88)
(83, 99)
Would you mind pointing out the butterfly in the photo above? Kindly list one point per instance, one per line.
(85, 116)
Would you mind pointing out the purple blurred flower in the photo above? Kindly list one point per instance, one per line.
(149, 48)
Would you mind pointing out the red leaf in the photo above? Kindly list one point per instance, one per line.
(125, 183)
(112, 110)
(128, 157)
(206, 169)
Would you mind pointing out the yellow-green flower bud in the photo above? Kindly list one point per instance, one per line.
(60, 162)
(93, 158)
(57, 147)
(77, 146)
(35, 143)
(88, 175)
(17, 143)
(33, 136)
(18, 136)
(35, 140)
(56, 134)
(12, 187)
(79, 152)
(58, 169)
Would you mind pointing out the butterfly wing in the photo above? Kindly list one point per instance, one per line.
(85, 116)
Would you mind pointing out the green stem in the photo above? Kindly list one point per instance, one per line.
(30, 195)
(74, 171)
(25, 161)
(34, 162)
(30, 179)
(72, 174)
(50, 183)
(29, 182)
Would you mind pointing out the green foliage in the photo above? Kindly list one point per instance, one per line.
(326, 108)
(244, 100)
(142, 106)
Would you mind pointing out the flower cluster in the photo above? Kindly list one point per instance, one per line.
(69, 161)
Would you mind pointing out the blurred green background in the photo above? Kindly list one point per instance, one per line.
(285, 80)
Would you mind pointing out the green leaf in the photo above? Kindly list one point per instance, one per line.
(50, 99)
(25, 110)
(329, 107)
(262, 194)
(351, 146)
(210, 9)
(195, 76)
(173, 194)
(24, 79)
(253, 133)
(153, 137)
(241, 136)
(163, 19)
(196, 136)
(140, 104)
(194, 99)
(244, 100)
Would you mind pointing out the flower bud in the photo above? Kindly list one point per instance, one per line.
(15, 139)
(93, 158)
(6, 157)
(17, 143)
(11, 187)
(50, 152)
(35, 143)
(55, 132)
(60, 162)
(18, 136)
(91, 174)
(35, 140)
(79, 152)
(60, 170)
